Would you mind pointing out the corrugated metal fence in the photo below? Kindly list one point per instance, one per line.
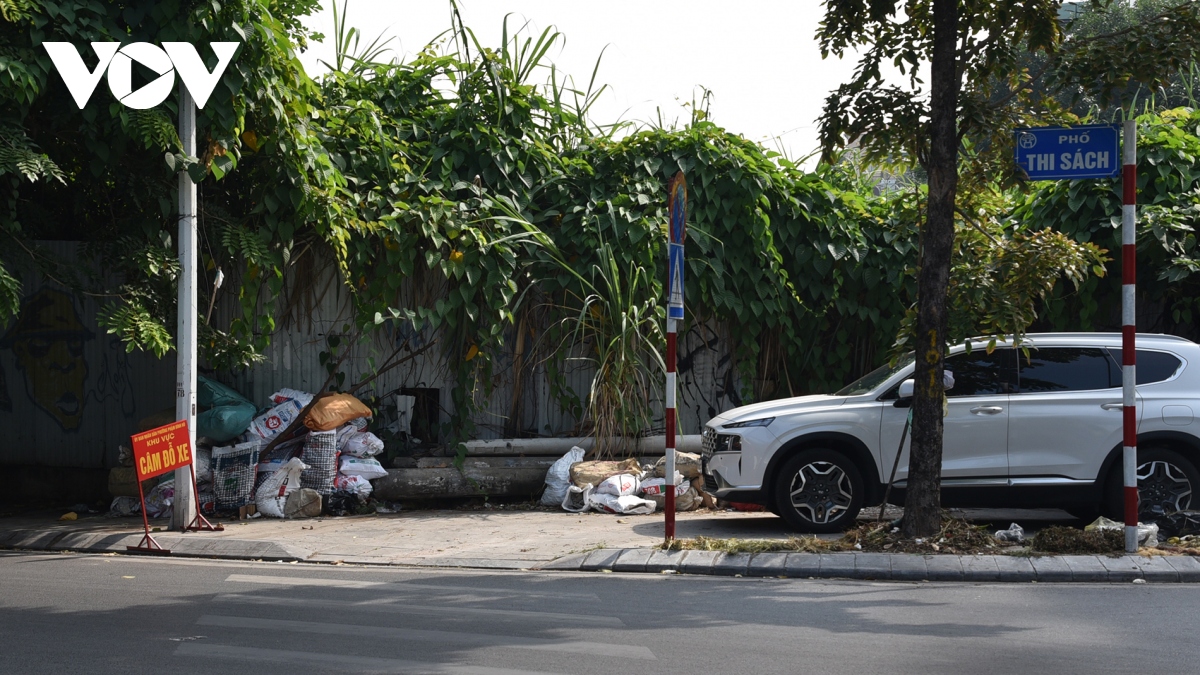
(70, 394)
(708, 378)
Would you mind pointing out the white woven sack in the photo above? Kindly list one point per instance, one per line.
(577, 499)
(272, 494)
(365, 444)
(558, 477)
(359, 466)
(619, 485)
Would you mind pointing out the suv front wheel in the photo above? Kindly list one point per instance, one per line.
(1167, 482)
(819, 491)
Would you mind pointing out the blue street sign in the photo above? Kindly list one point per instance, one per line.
(1057, 153)
(676, 232)
(675, 281)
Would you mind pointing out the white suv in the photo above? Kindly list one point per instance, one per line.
(1036, 430)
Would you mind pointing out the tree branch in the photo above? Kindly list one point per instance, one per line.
(1130, 29)
(34, 256)
(390, 366)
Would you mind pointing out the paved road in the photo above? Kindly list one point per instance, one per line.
(67, 613)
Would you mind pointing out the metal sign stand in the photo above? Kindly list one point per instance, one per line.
(200, 523)
(147, 544)
(676, 232)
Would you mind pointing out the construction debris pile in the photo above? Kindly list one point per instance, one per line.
(302, 456)
(625, 486)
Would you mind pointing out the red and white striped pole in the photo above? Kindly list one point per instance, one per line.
(1129, 331)
(676, 232)
(670, 413)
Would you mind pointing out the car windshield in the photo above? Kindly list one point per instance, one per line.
(876, 377)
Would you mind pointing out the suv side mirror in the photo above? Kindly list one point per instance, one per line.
(906, 387)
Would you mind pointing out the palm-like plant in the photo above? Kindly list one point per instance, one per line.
(619, 328)
(613, 323)
(348, 57)
(520, 56)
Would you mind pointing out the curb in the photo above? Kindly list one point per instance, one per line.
(190, 545)
(181, 545)
(861, 566)
(888, 566)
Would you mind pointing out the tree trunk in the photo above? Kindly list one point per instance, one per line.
(922, 502)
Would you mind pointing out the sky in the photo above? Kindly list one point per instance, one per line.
(759, 58)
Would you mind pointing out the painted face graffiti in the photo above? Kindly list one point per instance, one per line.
(48, 341)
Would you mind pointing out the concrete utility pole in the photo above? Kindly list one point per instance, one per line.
(184, 511)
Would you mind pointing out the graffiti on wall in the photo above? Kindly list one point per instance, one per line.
(47, 341)
(113, 381)
(708, 380)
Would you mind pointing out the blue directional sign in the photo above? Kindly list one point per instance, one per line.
(675, 281)
(1058, 153)
(676, 232)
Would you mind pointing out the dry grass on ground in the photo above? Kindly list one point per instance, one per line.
(1059, 539)
(792, 544)
(956, 536)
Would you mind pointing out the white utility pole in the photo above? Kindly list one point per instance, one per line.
(184, 511)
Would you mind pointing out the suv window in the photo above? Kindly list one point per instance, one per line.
(978, 373)
(876, 377)
(1065, 369)
(1151, 366)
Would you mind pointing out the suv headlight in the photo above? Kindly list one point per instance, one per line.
(727, 443)
(760, 422)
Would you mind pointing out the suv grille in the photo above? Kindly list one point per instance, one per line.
(708, 443)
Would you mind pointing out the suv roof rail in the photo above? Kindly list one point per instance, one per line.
(1076, 335)
(1165, 336)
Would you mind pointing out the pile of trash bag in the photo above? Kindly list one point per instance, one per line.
(288, 459)
(335, 450)
(622, 487)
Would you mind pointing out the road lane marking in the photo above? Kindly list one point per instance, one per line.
(341, 662)
(398, 585)
(441, 637)
(394, 606)
(303, 581)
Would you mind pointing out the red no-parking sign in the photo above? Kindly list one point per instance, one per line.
(160, 450)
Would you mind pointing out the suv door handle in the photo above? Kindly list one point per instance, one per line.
(986, 410)
(1112, 406)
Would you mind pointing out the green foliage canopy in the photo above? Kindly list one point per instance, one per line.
(98, 175)
(475, 212)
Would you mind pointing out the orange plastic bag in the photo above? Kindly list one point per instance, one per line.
(331, 412)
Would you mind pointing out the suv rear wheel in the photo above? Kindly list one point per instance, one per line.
(1167, 482)
(818, 491)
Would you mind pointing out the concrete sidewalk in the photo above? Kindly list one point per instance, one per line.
(554, 540)
(511, 539)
